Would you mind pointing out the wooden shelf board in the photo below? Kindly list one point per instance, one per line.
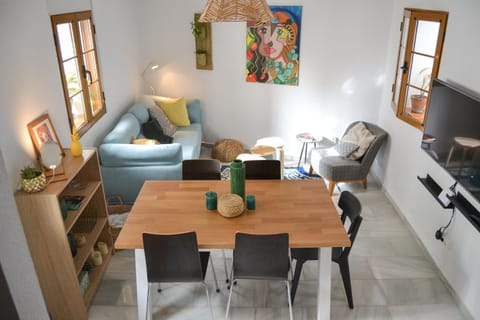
(84, 252)
(87, 193)
(95, 277)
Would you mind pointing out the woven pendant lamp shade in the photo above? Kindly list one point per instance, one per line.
(236, 10)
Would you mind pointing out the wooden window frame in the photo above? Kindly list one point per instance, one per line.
(74, 18)
(413, 16)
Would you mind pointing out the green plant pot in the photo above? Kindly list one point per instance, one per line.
(34, 185)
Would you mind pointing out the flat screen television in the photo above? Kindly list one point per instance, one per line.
(452, 134)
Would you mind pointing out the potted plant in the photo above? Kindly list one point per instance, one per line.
(419, 101)
(33, 179)
(198, 29)
(201, 56)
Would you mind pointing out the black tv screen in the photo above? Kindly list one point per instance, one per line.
(452, 134)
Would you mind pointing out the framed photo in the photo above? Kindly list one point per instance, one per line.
(41, 130)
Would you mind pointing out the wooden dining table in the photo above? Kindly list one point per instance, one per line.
(301, 208)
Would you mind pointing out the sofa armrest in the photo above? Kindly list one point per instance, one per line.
(134, 155)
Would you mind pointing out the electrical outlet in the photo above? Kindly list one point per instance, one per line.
(443, 197)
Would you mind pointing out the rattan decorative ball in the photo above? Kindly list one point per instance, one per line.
(230, 205)
(226, 150)
(34, 185)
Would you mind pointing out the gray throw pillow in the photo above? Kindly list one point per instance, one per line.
(345, 149)
(168, 128)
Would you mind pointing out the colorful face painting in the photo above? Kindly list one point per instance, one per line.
(273, 47)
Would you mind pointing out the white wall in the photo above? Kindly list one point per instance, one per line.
(66, 6)
(347, 58)
(342, 58)
(403, 160)
(15, 258)
(29, 86)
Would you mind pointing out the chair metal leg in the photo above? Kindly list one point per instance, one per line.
(289, 300)
(290, 262)
(306, 151)
(296, 278)
(228, 303)
(149, 302)
(301, 153)
(214, 274)
(225, 265)
(345, 272)
(208, 300)
(231, 277)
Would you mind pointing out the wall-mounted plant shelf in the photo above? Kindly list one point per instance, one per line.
(202, 32)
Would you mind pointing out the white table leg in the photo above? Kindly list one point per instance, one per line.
(280, 156)
(142, 283)
(324, 283)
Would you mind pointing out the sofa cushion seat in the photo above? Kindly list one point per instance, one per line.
(133, 155)
(191, 139)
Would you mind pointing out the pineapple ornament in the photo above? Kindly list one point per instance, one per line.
(76, 148)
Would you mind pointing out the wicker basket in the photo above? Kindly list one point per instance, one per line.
(226, 150)
(230, 205)
(34, 185)
(117, 206)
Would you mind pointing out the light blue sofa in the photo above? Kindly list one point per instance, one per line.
(126, 166)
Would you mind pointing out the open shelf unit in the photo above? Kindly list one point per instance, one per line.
(434, 189)
(457, 201)
(57, 264)
(466, 208)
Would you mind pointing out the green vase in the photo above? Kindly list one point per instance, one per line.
(237, 178)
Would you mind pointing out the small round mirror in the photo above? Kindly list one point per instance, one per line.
(50, 155)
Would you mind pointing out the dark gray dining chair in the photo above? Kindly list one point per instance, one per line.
(335, 168)
(201, 169)
(204, 169)
(261, 257)
(351, 209)
(175, 258)
(263, 169)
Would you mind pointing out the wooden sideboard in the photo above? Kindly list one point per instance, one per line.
(50, 235)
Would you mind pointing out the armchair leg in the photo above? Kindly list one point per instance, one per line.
(331, 187)
(364, 181)
(310, 171)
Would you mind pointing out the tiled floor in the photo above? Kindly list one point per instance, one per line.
(392, 278)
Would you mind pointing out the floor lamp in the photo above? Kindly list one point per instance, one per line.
(150, 67)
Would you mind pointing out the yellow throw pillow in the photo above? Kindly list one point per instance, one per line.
(175, 109)
(144, 141)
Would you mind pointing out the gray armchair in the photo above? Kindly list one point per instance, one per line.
(336, 169)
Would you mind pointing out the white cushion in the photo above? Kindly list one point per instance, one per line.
(361, 136)
(249, 156)
(275, 142)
